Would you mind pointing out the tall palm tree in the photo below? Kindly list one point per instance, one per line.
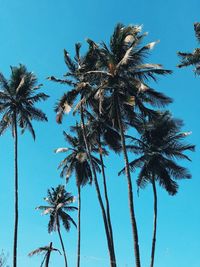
(77, 162)
(188, 59)
(83, 90)
(159, 146)
(59, 203)
(46, 250)
(120, 75)
(17, 99)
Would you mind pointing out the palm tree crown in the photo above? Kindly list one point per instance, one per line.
(17, 98)
(81, 87)
(46, 250)
(59, 203)
(161, 142)
(77, 161)
(120, 75)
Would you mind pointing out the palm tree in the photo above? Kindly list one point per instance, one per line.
(46, 250)
(188, 59)
(77, 162)
(84, 90)
(58, 204)
(120, 74)
(160, 145)
(17, 98)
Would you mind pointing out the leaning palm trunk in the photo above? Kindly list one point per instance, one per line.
(110, 247)
(106, 197)
(154, 224)
(130, 190)
(79, 227)
(16, 192)
(61, 241)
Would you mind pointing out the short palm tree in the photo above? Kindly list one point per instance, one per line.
(188, 59)
(120, 75)
(46, 250)
(59, 203)
(159, 146)
(77, 162)
(17, 99)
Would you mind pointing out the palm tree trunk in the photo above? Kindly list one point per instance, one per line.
(79, 227)
(130, 190)
(106, 198)
(61, 241)
(16, 193)
(155, 223)
(110, 248)
(48, 255)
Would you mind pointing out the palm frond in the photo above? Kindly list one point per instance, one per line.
(68, 61)
(137, 163)
(36, 98)
(62, 81)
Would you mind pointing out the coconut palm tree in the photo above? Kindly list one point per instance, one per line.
(188, 59)
(120, 75)
(46, 250)
(84, 92)
(59, 203)
(17, 99)
(77, 162)
(159, 146)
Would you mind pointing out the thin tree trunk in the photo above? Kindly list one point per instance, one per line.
(130, 190)
(61, 241)
(154, 223)
(106, 198)
(110, 248)
(79, 227)
(48, 255)
(16, 193)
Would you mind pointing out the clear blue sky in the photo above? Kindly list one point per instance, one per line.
(35, 33)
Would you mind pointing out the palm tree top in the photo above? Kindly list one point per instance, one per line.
(125, 53)
(58, 195)
(59, 203)
(46, 250)
(122, 73)
(75, 77)
(77, 159)
(18, 96)
(161, 144)
(43, 250)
